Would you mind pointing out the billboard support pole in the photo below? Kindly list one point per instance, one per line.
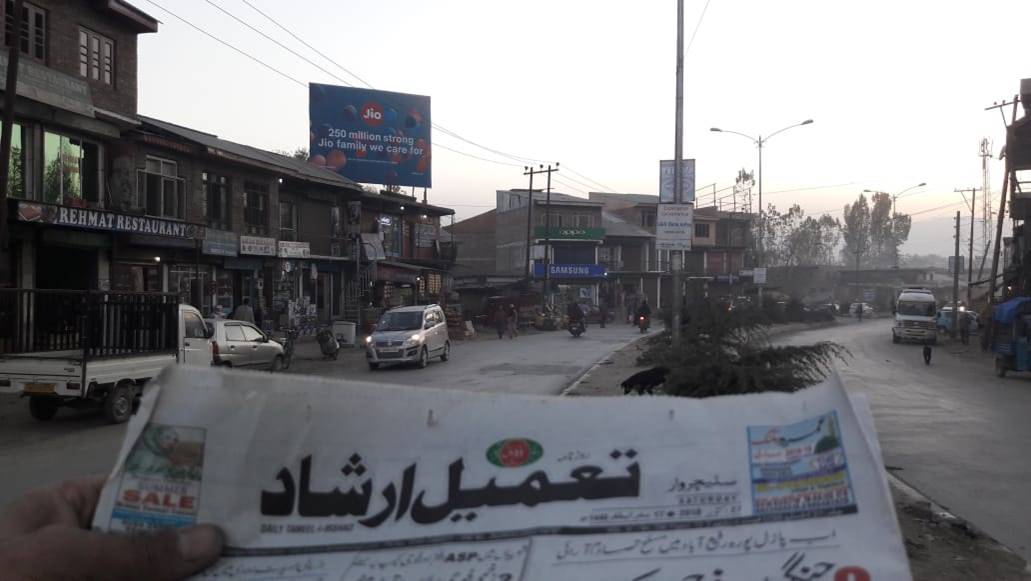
(547, 241)
(678, 186)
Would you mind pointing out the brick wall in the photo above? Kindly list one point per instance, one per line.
(65, 17)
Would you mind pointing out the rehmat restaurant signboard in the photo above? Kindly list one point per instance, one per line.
(373, 137)
(110, 221)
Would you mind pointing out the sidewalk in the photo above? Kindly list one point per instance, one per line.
(940, 546)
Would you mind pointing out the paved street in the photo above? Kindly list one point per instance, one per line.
(77, 443)
(953, 430)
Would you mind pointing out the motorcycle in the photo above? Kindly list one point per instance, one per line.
(577, 328)
(328, 343)
(643, 323)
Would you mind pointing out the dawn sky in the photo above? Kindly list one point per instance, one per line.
(896, 89)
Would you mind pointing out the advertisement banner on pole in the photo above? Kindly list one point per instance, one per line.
(373, 137)
(667, 169)
(674, 227)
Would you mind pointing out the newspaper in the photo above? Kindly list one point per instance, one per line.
(317, 479)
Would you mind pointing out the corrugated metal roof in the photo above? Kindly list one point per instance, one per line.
(616, 226)
(246, 153)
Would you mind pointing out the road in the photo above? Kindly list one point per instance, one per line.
(954, 431)
(77, 443)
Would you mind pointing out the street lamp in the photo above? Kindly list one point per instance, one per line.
(893, 198)
(760, 141)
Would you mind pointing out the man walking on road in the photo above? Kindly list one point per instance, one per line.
(244, 312)
(964, 327)
(512, 316)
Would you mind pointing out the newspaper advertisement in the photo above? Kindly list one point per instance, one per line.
(320, 479)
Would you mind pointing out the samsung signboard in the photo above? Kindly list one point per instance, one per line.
(373, 137)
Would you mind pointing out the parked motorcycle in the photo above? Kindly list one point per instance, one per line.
(328, 343)
(577, 328)
(643, 322)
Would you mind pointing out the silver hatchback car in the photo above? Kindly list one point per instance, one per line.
(241, 344)
(409, 335)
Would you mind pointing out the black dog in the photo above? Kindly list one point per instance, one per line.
(927, 354)
(645, 381)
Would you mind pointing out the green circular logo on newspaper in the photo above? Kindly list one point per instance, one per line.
(514, 452)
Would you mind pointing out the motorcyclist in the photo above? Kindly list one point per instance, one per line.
(643, 310)
(574, 312)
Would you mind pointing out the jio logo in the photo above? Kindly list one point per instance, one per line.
(372, 114)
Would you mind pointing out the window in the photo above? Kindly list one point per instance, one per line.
(251, 334)
(16, 179)
(647, 220)
(96, 56)
(583, 220)
(390, 228)
(234, 333)
(160, 190)
(255, 207)
(195, 328)
(287, 221)
(217, 201)
(701, 230)
(71, 169)
(33, 37)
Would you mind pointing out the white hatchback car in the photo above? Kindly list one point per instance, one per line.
(409, 335)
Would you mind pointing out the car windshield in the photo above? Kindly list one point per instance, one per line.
(400, 321)
(916, 309)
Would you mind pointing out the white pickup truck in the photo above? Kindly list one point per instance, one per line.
(914, 316)
(93, 348)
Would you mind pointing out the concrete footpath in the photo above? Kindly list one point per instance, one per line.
(941, 547)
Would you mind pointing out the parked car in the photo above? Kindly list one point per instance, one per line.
(409, 335)
(853, 310)
(241, 344)
(944, 320)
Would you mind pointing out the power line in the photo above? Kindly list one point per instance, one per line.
(301, 40)
(441, 128)
(219, 40)
(696, 27)
(441, 145)
(601, 185)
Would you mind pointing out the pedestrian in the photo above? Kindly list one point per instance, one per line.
(259, 316)
(964, 327)
(927, 354)
(603, 312)
(512, 316)
(500, 321)
(986, 327)
(243, 312)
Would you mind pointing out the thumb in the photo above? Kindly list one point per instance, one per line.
(166, 554)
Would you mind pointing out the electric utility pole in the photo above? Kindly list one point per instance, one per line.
(970, 259)
(529, 171)
(955, 281)
(678, 185)
(1006, 179)
(547, 240)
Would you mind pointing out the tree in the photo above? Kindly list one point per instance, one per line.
(856, 231)
(728, 352)
(299, 153)
(874, 232)
(794, 239)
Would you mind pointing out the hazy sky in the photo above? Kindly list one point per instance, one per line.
(896, 88)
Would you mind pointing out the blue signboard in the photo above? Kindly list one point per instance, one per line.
(373, 137)
(570, 270)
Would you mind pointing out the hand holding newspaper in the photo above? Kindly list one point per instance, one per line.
(316, 479)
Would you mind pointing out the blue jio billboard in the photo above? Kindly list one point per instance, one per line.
(372, 137)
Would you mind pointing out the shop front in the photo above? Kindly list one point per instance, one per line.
(396, 284)
(573, 282)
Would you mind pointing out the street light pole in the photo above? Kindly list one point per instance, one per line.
(760, 142)
(678, 186)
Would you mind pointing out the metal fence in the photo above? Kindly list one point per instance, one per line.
(95, 323)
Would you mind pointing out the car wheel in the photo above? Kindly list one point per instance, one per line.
(447, 351)
(277, 364)
(373, 366)
(895, 338)
(43, 408)
(118, 403)
(424, 358)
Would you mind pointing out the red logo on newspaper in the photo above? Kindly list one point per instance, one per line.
(514, 452)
